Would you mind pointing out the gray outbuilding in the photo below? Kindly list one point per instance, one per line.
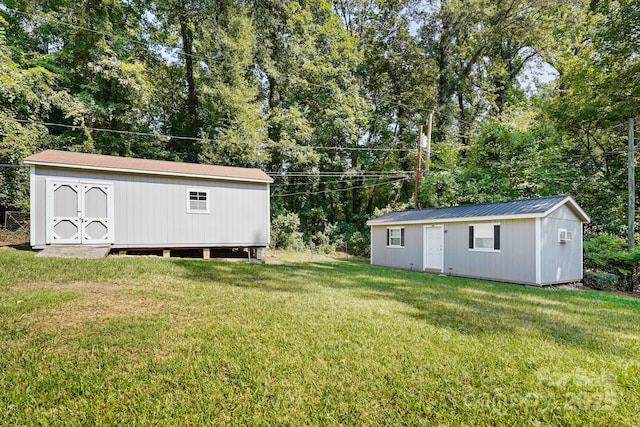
(88, 199)
(530, 241)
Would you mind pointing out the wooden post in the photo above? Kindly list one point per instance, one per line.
(122, 252)
(166, 253)
(419, 169)
(427, 165)
(206, 253)
(632, 189)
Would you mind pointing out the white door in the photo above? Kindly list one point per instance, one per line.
(433, 243)
(79, 212)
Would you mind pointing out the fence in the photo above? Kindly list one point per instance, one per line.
(16, 220)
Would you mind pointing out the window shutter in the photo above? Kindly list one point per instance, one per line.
(471, 237)
(402, 236)
(496, 237)
(388, 236)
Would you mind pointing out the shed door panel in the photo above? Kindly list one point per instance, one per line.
(64, 224)
(96, 222)
(79, 213)
(433, 247)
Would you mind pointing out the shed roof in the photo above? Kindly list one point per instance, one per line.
(523, 208)
(67, 159)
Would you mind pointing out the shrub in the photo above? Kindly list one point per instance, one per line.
(602, 281)
(323, 241)
(359, 244)
(285, 232)
(607, 253)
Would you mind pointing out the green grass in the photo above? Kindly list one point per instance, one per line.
(319, 342)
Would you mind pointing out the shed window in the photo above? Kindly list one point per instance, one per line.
(197, 201)
(395, 237)
(484, 237)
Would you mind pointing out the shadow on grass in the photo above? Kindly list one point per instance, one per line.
(466, 306)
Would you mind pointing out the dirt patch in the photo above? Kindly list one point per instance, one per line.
(96, 302)
(13, 238)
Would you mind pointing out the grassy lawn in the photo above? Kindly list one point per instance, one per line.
(316, 342)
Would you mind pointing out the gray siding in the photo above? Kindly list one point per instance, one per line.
(515, 262)
(407, 258)
(561, 262)
(151, 211)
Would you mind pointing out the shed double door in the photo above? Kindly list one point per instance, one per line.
(79, 212)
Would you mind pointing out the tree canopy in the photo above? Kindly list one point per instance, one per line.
(530, 97)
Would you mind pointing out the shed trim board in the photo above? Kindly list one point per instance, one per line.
(527, 249)
(32, 207)
(145, 172)
(538, 249)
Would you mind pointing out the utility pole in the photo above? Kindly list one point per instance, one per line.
(419, 169)
(632, 188)
(428, 163)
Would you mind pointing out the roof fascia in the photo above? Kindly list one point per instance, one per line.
(145, 172)
(574, 206)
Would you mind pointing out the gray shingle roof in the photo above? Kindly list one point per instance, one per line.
(514, 207)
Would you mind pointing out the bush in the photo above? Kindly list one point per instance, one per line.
(603, 281)
(324, 241)
(359, 244)
(607, 253)
(285, 232)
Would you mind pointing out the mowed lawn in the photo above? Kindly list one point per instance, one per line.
(152, 341)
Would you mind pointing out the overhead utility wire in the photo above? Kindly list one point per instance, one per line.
(332, 182)
(335, 174)
(197, 139)
(312, 193)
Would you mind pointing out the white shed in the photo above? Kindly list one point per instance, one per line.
(529, 241)
(89, 199)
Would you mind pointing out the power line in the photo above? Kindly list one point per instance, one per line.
(307, 193)
(196, 139)
(335, 174)
(341, 180)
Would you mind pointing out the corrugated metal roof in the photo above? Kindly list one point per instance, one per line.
(129, 164)
(521, 207)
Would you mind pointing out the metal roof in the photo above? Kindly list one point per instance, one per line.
(523, 208)
(67, 159)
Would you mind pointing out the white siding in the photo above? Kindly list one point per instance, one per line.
(515, 262)
(151, 211)
(408, 258)
(561, 262)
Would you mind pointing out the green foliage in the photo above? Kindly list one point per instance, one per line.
(285, 232)
(324, 241)
(334, 90)
(607, 253)
(602, 281)
(359, 243)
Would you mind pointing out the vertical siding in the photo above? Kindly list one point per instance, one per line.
(407, 258)
(151, 211)
(561, 262)
(515, 262)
